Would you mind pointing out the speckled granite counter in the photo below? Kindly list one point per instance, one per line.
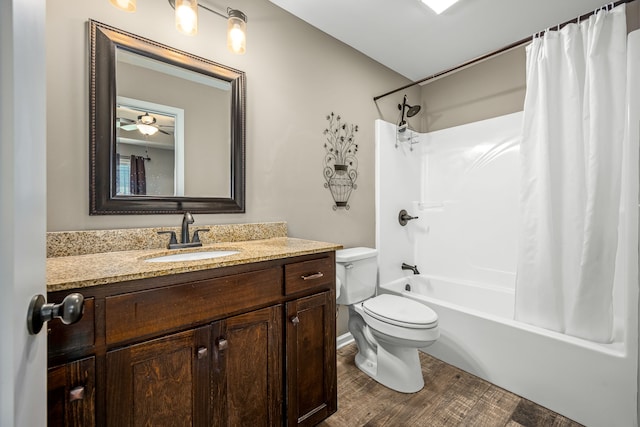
(70, 272)
(69, 243)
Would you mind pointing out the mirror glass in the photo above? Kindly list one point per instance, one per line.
(167, 129)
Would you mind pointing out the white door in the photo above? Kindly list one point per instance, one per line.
(22, 210)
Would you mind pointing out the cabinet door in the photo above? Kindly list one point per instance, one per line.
(311, 359)
(71, 394)
(163, 382)
(247, 369)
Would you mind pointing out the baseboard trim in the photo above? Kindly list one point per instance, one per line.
(343, 340)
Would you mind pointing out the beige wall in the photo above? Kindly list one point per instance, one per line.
(296, 75)
(487, 89)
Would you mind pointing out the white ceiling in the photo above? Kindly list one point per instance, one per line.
(408, 37)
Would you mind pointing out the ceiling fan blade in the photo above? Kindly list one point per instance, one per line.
(122, 120)
(165, 132)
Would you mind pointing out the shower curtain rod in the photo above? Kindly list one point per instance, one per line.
(493, 53)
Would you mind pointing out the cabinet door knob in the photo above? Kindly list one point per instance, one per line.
(202, 352)
(222, 344)
(295, 320)
(76, 393)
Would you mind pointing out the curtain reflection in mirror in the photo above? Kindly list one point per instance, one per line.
(131, 175)
(137, 175)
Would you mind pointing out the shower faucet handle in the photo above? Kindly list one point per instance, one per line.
(404, 217)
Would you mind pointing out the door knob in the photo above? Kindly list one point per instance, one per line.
(68, 311)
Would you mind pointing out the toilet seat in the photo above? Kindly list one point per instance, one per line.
(400, 311)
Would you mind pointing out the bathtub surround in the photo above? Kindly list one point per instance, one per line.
(463, 184)
(573, 137)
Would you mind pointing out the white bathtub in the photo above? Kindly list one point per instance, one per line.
(591, 383)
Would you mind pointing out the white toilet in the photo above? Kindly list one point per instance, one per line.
(388, 329)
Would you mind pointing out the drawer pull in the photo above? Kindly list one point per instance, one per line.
(222, 344)
(295, 320)
(76, 393)
(317, 275)
(202, 352)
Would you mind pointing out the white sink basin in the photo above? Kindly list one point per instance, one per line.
(191, 256)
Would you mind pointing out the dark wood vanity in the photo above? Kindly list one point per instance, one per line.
(245, 345)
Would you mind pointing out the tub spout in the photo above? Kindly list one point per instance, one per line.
(413, 268)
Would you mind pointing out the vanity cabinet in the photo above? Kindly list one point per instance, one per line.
(160, 382)
(247, 369)
(252, 344)
(71, 394)
(311, 359)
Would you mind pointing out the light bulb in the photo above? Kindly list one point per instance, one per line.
(147, 129)
(187, 16)
(126, 5)
(237, 39)
(237, 32)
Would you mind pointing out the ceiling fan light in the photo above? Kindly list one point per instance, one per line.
(439, 6)
(236, 31)
(146, 129)
(126, 5)
(187, 16)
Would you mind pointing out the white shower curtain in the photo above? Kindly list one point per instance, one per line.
(573, 130)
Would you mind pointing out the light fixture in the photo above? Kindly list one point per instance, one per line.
(146, 124)
(126, 5)
(439, 6)
(236, 31)
(187, 16)
(187, 20)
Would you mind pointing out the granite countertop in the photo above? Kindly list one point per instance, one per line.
(80, 271)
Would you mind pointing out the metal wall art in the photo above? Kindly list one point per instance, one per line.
(340, 162)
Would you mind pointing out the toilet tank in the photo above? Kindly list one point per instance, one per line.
(357, 271)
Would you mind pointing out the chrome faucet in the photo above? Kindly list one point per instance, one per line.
(413, 268)
(184, 236)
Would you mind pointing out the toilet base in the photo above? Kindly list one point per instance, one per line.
(397, 368)
(380, 357)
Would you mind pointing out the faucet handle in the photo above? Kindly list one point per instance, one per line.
(196, 236)
(173, 240)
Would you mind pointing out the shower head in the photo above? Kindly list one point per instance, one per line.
(411, 110)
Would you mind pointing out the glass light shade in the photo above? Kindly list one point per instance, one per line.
(237, 32)
(147, 129)
(187, 16)
(126, 5)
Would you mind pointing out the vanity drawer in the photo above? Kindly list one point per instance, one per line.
(314, 274)
(67, 338)
(155, 311)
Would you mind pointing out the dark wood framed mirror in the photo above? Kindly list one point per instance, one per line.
(167, 129)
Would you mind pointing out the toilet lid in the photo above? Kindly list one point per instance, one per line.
(400, 311)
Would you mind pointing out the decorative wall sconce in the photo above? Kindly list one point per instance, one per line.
(187, 20)
(340, 162)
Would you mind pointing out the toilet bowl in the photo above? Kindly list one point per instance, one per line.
(388, 329)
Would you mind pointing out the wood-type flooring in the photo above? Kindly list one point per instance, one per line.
(451, 397)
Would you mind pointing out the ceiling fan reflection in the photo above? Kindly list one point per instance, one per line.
(146, 125)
